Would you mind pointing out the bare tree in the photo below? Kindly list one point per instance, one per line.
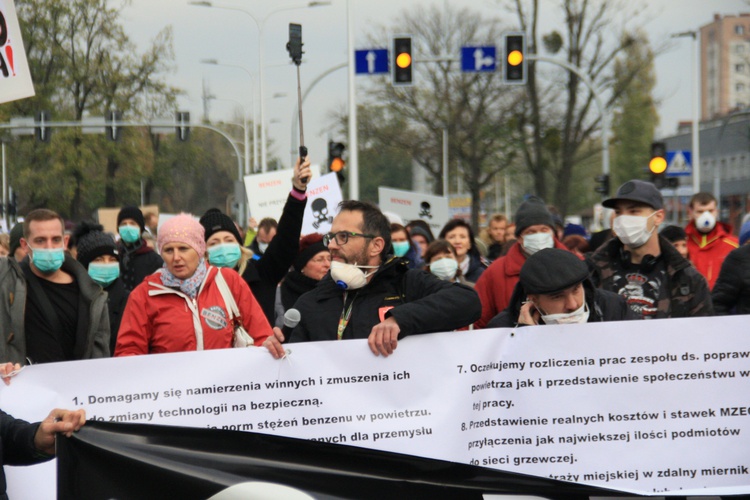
(475, 108)
(559, 124)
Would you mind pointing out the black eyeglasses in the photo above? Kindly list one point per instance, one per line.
(342, 237)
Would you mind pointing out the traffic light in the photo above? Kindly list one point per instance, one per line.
(603, 184)
(514, 63)
(41, 127)
(657, 165)
(403, 62)
(113, 131)
(182, 118)
(335, 161)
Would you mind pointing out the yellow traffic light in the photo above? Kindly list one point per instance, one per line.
(658, 165)
(403, 60)
(515, 58)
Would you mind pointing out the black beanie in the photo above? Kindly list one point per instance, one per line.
(15, 238)
(213, 221)
(130, 212)
(673, 233)
(552, 270)
(309, 246)
(93, 242)
(532, 212)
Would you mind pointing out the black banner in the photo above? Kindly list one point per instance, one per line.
(123, 461)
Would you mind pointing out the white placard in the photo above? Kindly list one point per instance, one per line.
(643, 406)
(323, 198)
(15, 78)
(267, 192)
(410, 206)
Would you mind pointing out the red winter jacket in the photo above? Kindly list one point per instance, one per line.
(495, 285)
(707, 251)
(158, 319)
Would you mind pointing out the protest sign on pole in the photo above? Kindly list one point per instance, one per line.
(323, 197)
(267, 192)
(410, 206)
(15, 77)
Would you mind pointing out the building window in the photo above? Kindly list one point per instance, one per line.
(739, 68)
(740, 87)
(739, 48)
(739, 30)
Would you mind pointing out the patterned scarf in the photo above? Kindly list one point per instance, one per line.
(189, 286)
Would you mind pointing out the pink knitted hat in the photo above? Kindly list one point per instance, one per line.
(182, 228)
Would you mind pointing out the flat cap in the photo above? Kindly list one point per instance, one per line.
(552, 270)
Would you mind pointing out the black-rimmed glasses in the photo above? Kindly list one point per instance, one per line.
(342, 237)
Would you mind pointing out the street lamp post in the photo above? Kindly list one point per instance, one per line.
(260, 24)
(255, 117)
(696, 154)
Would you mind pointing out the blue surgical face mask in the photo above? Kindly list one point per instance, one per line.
(224, 255)
(129, 234)
(400, 248)
(48, 260)
(104, 274)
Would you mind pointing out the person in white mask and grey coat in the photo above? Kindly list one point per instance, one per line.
(554, 289)
(644, 267)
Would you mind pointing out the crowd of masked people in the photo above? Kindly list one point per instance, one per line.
(198, 283)
(195, 283)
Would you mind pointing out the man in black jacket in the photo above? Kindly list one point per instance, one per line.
(643, 266)
(731, 293)
(370, 294)
(554, 288)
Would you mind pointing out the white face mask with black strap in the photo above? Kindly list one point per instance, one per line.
(706, 222)
(632, 230)
(350, 276)
(532, 243)
(580, 315)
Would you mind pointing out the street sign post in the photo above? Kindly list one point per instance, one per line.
(371, 61)
(478, 59)
(679, 164)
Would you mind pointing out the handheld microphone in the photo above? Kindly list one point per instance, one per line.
(291, 320)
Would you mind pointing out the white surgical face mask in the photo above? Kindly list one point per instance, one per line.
(632, 230)
(444, 268)
(580, 315)
(532, 243)
(350, 276)
(706, 222)
(262, 247)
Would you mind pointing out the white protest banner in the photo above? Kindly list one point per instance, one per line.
(15, 78)
(323, 198)
(642, 406)
(267, 192)
(410, 206)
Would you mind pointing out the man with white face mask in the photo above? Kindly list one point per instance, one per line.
(554, 289)
(50, 308)
(369, 294)
(643, 266)
(709, 240)
(535, 231)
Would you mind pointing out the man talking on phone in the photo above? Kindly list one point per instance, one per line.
(554, 288)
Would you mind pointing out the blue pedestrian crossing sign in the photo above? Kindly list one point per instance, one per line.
(679, 164)
(371, 61)
(478, 59)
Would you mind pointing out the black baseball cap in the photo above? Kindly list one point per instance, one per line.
(638, 191)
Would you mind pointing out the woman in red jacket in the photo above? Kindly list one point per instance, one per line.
(180, 307)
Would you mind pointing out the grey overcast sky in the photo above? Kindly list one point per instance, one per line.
(232, 37)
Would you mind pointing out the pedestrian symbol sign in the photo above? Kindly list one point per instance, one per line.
(679, 164)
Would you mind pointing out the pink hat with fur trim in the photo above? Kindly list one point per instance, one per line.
(182, 228)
